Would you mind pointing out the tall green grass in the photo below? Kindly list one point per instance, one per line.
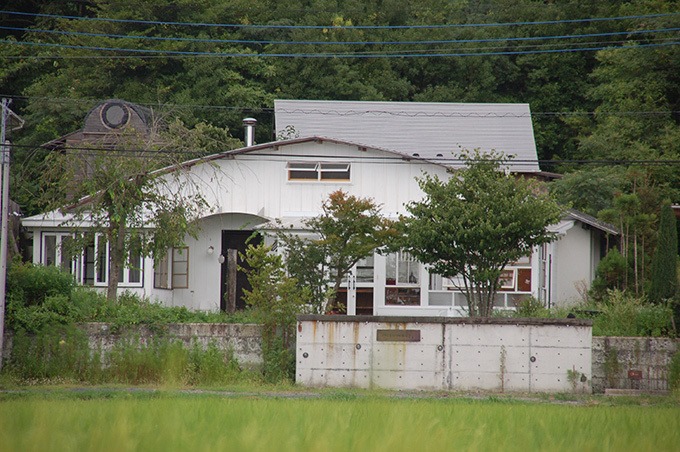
(182, 423)
(61, 354)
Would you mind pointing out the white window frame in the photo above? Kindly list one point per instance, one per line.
(103, 272)
(78, 265)
(58, 258)
(413, 268)
(317, 170)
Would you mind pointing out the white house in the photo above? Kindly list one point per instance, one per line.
(289, 179)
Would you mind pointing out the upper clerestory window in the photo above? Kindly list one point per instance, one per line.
(318, 171)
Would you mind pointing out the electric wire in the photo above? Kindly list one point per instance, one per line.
(322, 43)
(345, 27)
(265, 156)
(339, 55)
(270, 110)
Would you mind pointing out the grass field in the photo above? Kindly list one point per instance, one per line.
(166, 422)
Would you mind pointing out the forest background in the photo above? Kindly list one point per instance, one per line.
(602, 78)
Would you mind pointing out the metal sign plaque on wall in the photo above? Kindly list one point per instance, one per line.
(398, 335)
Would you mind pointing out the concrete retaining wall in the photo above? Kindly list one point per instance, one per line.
(632, 363)
(243, 339)
(456, 354)
(527, 355)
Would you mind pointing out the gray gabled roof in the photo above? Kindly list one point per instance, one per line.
(592, 221)
(434, 131)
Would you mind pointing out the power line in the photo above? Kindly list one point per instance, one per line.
(404, 158)
(337, 55)
(322, 43)
(395, 53)
(344, 27)
(214, 7)
(269, 110)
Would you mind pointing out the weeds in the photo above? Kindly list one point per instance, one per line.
(622, 314)
(62, 355)
(55, 352)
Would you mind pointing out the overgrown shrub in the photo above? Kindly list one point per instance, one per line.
(531, 307)
(32, 284)
(622, 314)
(275, 299)
(89, 305)
(610, 274)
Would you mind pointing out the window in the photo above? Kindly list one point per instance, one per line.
(102, 253)
(365, 268)
(402, 280)
(172, 270)
(310, 171)
(53, 252)
(303, 171)
(334, 171)
(133, 273)
(91, 266)
(402, 269)
(161, 272)
(180, 268)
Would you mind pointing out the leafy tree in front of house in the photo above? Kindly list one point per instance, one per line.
(129, 192)
(475, 223)
(349, 229)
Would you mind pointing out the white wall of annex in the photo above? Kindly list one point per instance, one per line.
(572, 265)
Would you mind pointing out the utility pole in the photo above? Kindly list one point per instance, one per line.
(4, 213)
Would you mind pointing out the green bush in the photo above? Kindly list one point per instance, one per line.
(531, 307)
(610, 274)
(622, 314)
(32, 284)
(275, 299)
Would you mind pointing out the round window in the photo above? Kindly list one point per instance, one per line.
(115, 115)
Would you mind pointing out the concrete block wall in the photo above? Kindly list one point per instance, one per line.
(526, 355)
(243, 339)
(640, 363)
(464, 355)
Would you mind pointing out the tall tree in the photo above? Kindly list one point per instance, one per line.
(129, 192)
(475, 223)
(664, 279)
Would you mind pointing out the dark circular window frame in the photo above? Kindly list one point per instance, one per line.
(123, 122)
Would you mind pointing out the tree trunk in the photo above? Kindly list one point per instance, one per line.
(117, 233)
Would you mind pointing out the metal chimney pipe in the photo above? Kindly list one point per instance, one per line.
(249, 124)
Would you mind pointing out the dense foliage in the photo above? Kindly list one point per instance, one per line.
(664, 279)
(349, 229)
(275, 299)
(44, 310)
(38, 297)
(477, 222)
